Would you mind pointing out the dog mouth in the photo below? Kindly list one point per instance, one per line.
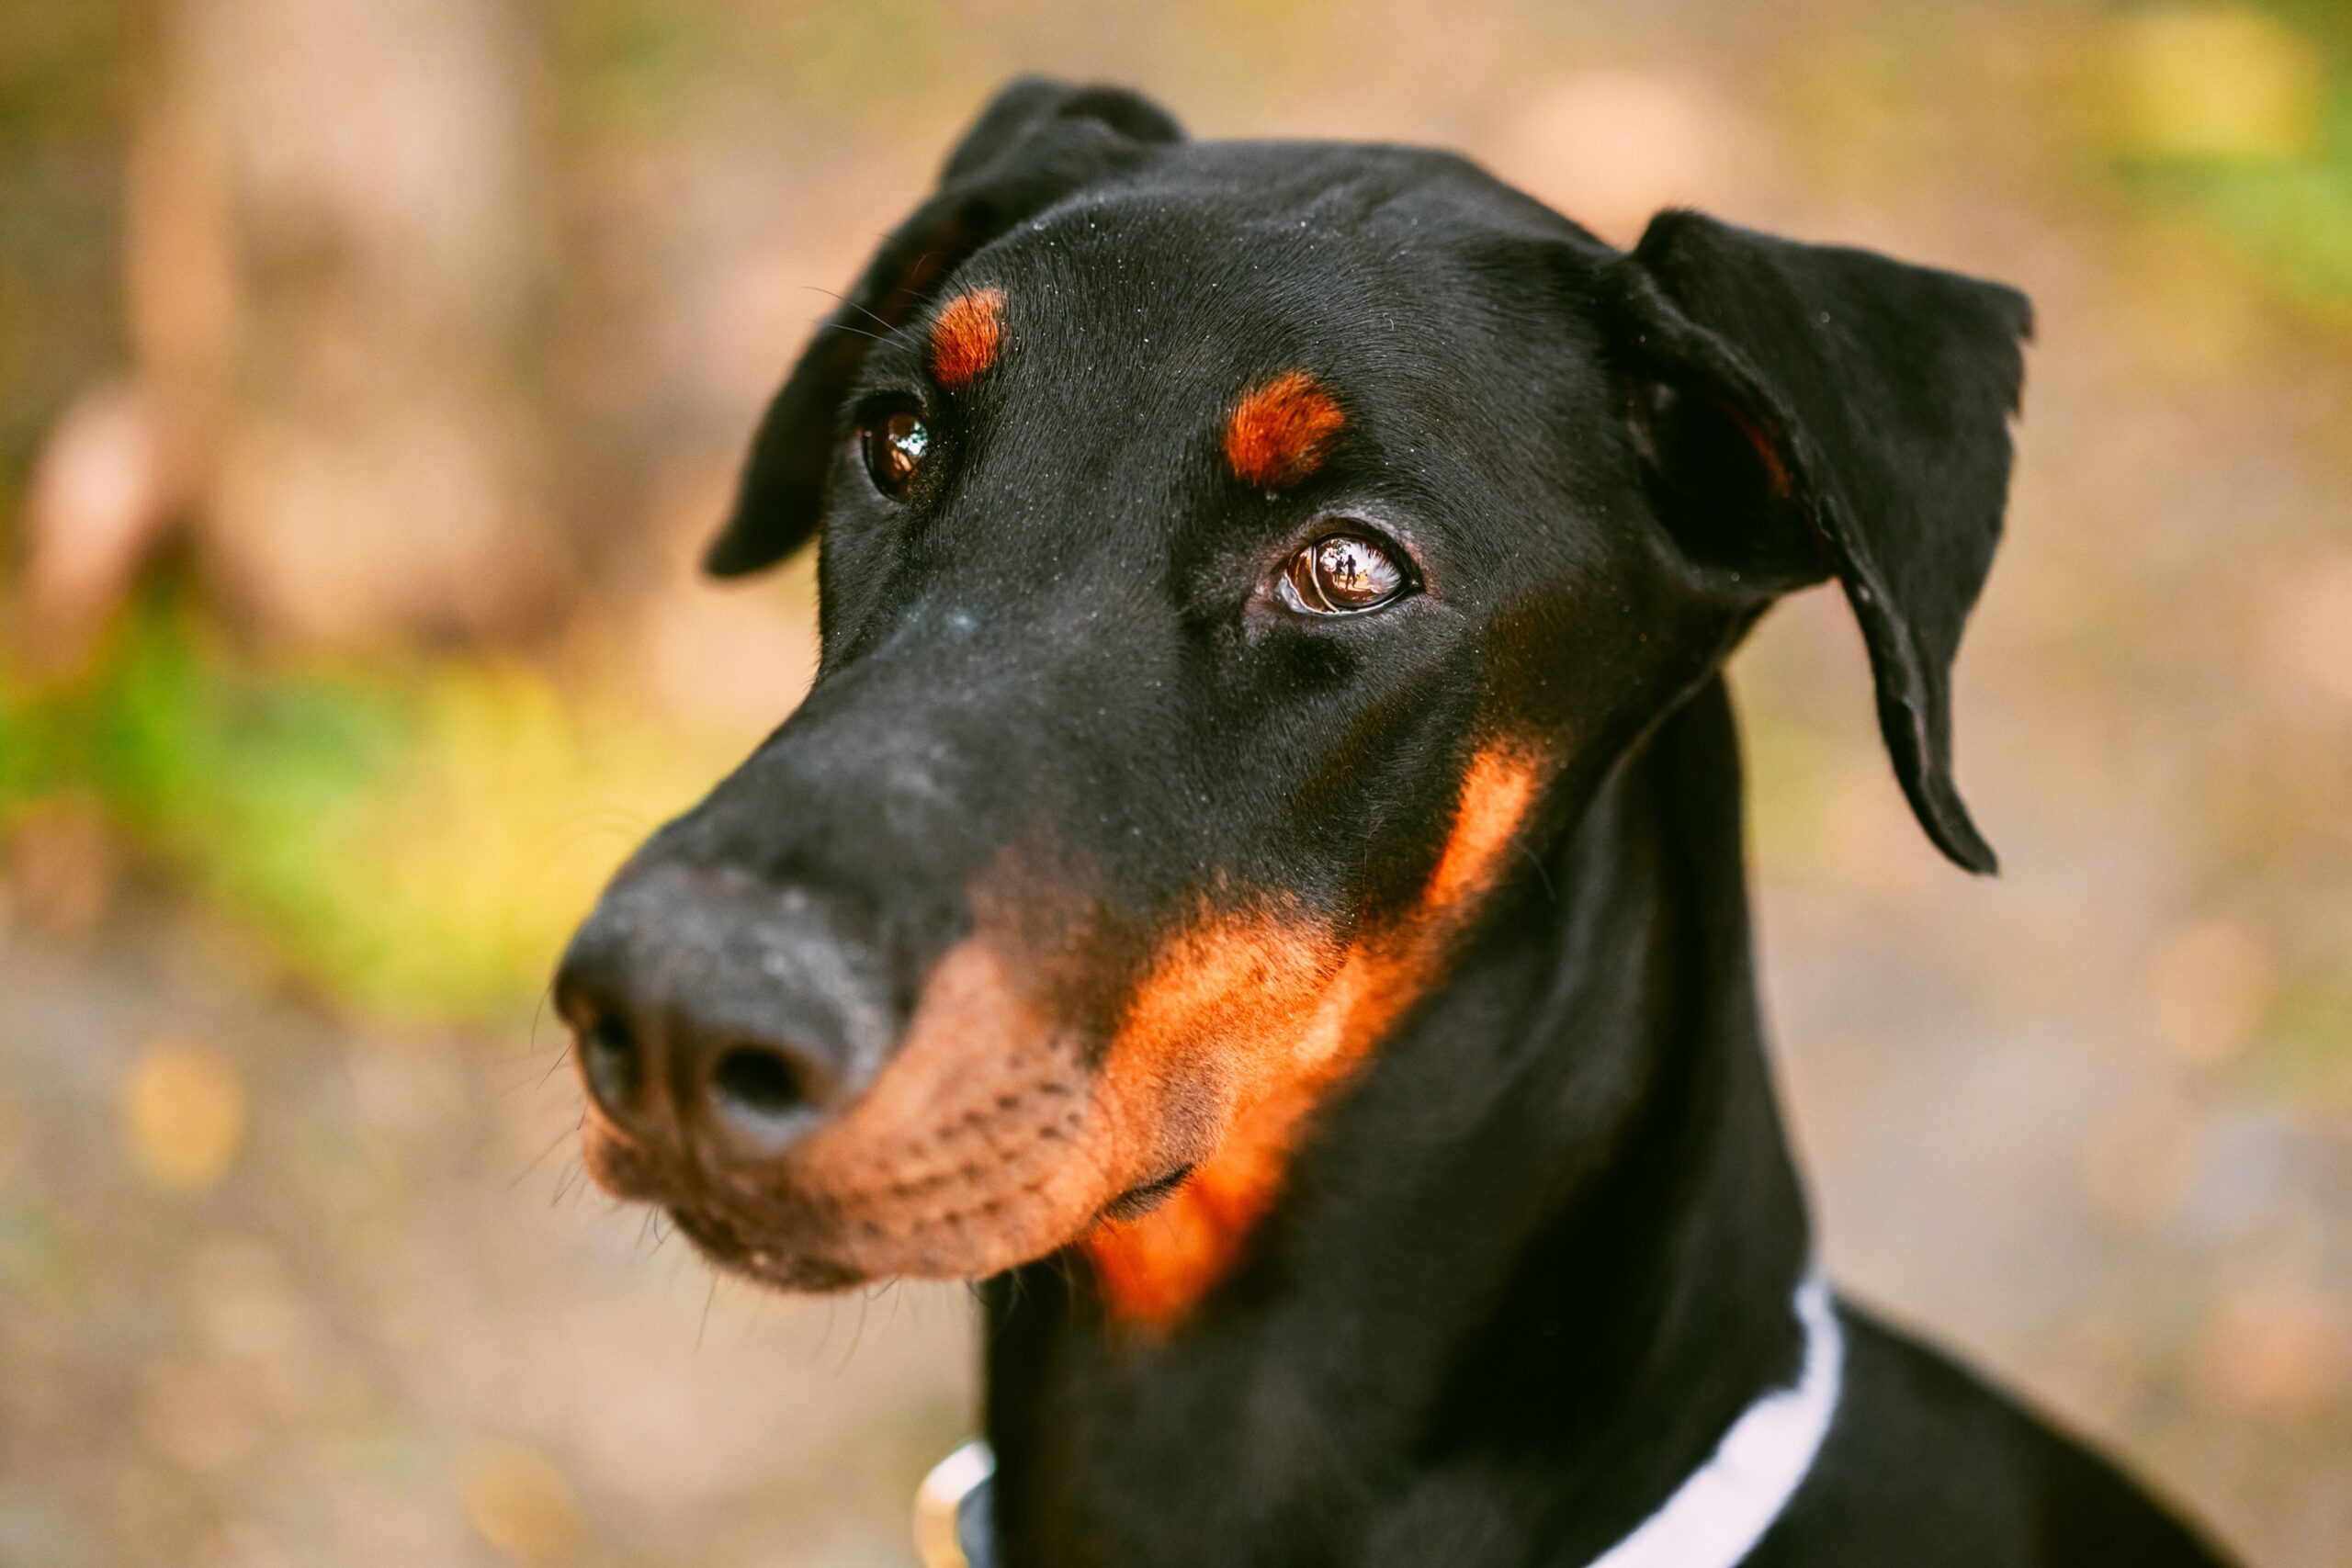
(992, 1139)
(1141, 1199)
(784, 1253)
(719, 1239)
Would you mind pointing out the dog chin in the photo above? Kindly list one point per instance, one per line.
(806, 1248)
(809, 1230)
(779, 1268)
(802, 1269)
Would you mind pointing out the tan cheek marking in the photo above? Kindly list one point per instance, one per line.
(1219, 999)
(1279, 433)
(990, 1141)
(1496, 792)
(1314, 1021)
(1151, 1271)
(979, 1147)
(967, 337)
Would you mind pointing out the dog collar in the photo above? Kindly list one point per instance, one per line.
(1713, 1520)
(1716, 1518)
(952, 1515)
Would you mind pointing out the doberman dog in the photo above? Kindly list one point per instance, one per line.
(1258, 877)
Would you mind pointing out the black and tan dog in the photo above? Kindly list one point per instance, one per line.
(1259, 879)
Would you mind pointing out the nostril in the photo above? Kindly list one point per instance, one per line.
(766, 1097)
(764, 1083)
(609, 1055)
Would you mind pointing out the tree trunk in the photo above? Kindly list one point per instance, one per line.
(338, 260)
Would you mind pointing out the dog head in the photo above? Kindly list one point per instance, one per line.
(1235, 557)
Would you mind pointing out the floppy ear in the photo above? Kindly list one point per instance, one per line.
(1037, 142)
(1807, 411)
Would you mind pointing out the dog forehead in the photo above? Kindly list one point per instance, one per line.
(1222, 264)
(1261, 236)
(1136, 323)
(1367, 318)
(1128, 284)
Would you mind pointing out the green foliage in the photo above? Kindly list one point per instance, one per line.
(631, 66)
(416, 839)
(61, 69)
(2242, 119)
(638, 66)
(246, 784)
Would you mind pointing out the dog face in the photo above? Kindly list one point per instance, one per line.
(1237, 560)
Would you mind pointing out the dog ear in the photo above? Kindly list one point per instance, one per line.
(1805, 411)
(1037, 142)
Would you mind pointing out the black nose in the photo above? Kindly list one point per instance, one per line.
(717, 1018)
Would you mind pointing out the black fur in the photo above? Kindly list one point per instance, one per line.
(1038, 144)
(1537, 1257)
(1885, 388)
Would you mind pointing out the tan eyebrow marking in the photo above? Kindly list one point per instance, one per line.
(967, 337)
(1279, 432)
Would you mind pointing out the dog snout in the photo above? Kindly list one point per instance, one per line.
(717, 1022)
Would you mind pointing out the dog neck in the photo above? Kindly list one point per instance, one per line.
(1533, 1266)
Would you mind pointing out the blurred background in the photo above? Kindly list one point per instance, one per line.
(370, 372)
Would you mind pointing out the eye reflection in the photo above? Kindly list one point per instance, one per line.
(1342, 574)
(894, 445)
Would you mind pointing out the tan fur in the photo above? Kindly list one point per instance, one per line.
(967, 337)
(1300, 1035)
(1280, 433)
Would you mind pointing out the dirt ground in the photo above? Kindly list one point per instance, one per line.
(402, 1331)
(347, 1301)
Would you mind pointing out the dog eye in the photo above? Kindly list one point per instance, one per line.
(893, 445)
(1342, 574)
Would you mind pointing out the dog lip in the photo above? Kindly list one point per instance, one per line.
(721, 1243)
(1138, 1201)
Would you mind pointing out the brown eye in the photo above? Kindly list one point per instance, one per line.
(1342, 574)
(894, 445)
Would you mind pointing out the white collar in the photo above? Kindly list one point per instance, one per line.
(1716, 1518)
(1713, 1520)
